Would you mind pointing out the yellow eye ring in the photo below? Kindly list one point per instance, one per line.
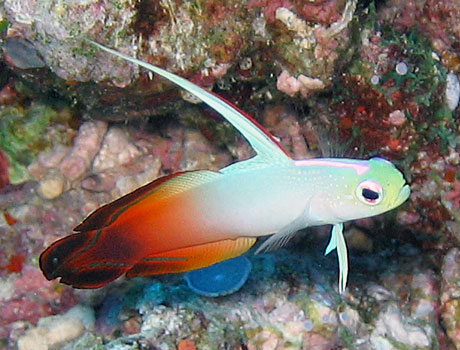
(369, 192)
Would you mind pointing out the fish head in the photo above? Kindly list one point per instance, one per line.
(363, 188)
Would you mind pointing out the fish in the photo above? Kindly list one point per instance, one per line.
(194, 219)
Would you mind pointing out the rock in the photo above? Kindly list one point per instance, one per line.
(129, 183)
(116, 150)
(350, 318)
(52, 331)
(391, 326)
(264, 340)
(87, 341)
(52, 185)
(22, 54)
(424, 285)
(450, 295)
(452, 91)
(198, 153)
(50, 334)
(52, 158)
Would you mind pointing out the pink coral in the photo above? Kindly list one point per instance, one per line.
(291, 85)
(397, 117)
(327, 45)
(319, 11)
(24, 309)
(86, 145)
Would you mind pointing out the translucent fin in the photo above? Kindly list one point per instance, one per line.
(261, 140)
(281, 238)
(337, 241)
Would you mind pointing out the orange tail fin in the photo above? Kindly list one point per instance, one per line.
(64, 259)
(80, 265)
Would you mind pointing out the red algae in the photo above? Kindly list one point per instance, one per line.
(4, 166)
(320, 11)
(10, 219)
(8, 94)
(15, 264)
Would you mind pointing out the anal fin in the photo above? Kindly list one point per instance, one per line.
(191, 258)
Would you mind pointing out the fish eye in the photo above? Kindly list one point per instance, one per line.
(369, 192)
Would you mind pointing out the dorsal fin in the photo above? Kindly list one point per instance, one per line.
(164, 186)
(265, 145)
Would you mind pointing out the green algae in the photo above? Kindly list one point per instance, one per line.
(3, 26)
(24, 132)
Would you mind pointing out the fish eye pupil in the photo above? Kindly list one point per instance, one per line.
(55, 260)
(369, 194)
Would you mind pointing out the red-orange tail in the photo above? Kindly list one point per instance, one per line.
(72, 259)
(85, 260)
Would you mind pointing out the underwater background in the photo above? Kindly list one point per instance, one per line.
(80, 128)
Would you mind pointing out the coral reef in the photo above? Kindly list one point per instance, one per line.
(210, 42)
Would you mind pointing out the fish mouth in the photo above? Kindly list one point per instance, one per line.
(403, 195)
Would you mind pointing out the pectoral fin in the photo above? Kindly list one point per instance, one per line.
(282, 237)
